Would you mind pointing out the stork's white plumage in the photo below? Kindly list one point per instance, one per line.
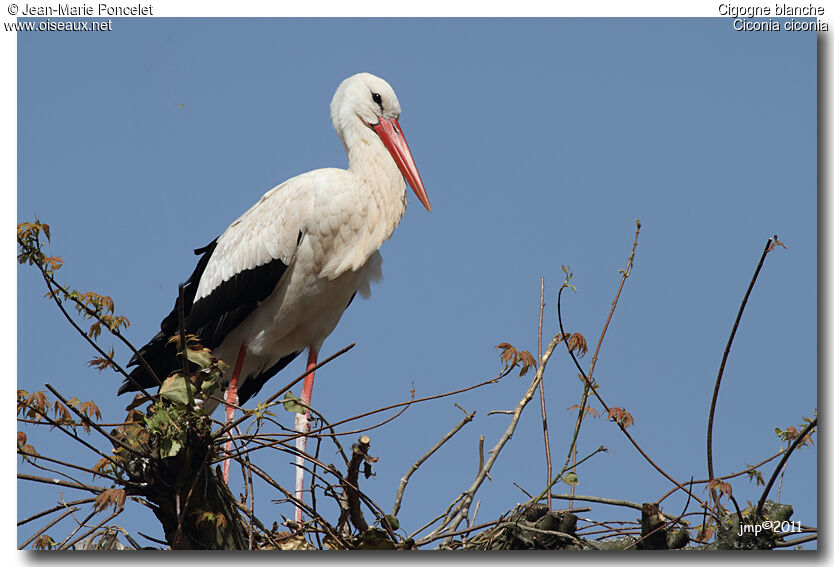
(277, 281)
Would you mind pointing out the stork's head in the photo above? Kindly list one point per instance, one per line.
(365, 102)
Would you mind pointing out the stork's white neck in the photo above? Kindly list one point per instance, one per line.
(377, 173)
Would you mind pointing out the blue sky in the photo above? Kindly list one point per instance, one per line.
(539, 143)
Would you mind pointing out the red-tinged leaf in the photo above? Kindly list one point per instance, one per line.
(776, 242)
(61, 412)
(621, 416)
(90, 409)
(100, 363)
(43, 542)
(21, 438)
(527, 362)
(95, 330)
(40, 401)
(111, 497)
(54, 262)
(576, 343)
(102, 466)
(27, 452)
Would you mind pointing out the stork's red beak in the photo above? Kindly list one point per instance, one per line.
(391, 135)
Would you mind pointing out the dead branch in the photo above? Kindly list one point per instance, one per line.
(47, 526)
(462, 508)
(404, 481)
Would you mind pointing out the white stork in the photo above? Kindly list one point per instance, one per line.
(277, 281)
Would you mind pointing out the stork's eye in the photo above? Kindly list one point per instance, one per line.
(377, 99)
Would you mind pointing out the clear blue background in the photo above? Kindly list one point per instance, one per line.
(539, 142)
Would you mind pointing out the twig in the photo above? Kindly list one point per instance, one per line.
(462, 509)
(95, 426)
(49, 283)
(599, 500)
(430, 539)
(58, 482)
(153, 539)
(72, 466)
(605, 406)
(481, 456)
(581, 414)
(437, 518)
(404, 481)
(779, 486)
(73, 435)
(47, 526)
(767, 249)
(80, 525)
(797, 541)
(92, 530)
(600, 449)
(525, 492)
(725, 477)
(799, 439)
(243, 508)
(233, 424)
(386, 408)
(183, 343)
(541, 394)
(60, 506)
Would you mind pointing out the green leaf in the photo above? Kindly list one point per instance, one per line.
(169, 448)
(211, 385)
(291, 403)
(202, 358)
(571, 478)
(174, 389)
(395, 523)
(375, 538)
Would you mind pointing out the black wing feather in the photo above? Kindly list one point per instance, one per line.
(211, 318)
(254, 384)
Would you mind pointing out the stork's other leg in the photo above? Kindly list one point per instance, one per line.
(302, 425)
(231, 402)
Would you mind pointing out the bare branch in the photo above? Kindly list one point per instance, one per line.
(398, 500)
(767, 249)
(47, 526)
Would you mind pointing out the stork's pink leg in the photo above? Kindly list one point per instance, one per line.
(302, 425)
(231, 398)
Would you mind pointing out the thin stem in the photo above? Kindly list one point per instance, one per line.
(60, 506)
(95, 426)
(233, 424)
(47, 526)
(581, 414)
(767, 249)
(404, 481)
(605, 406)
(541, 395)
(59, 482)
(799, 439)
